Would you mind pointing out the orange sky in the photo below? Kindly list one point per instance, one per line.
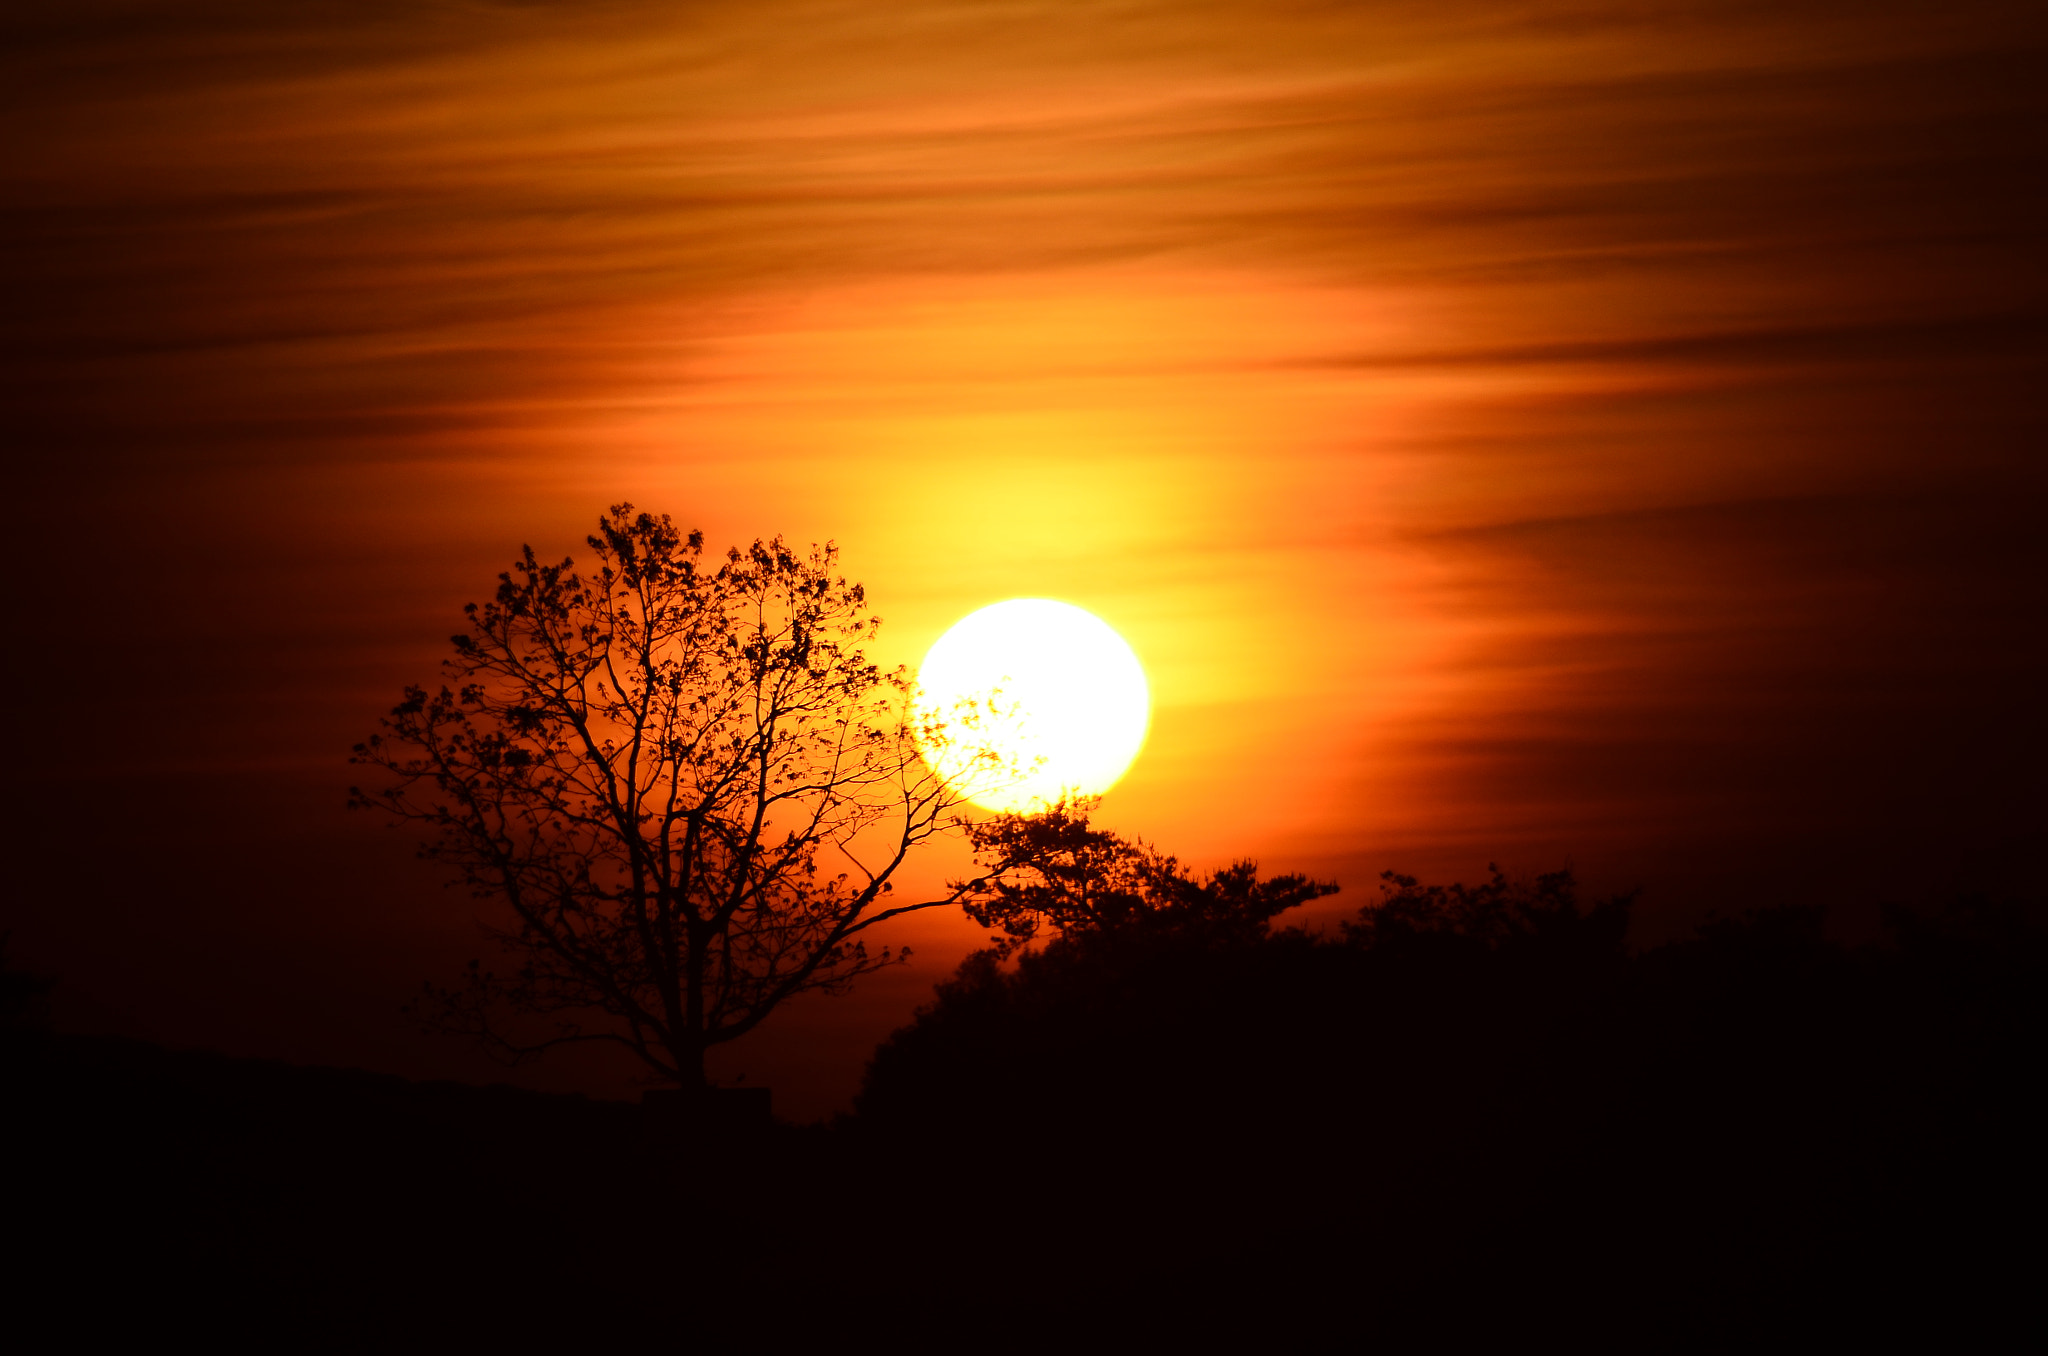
(1598, 433)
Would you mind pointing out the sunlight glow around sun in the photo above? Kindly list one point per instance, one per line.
(1030, 700)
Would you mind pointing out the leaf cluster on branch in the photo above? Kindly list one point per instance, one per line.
(1051, 870)
(1497, 915)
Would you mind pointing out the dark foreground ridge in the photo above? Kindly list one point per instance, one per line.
(1473, 1112)
(329, 1209)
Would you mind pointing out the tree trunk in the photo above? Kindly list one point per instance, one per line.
(690, 1065)
(690, 1059)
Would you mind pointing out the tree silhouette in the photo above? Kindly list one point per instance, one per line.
(1149, 979)
(1052, 870)
(1499, 915)
(687, 781)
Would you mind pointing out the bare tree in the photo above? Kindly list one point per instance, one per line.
(687, 781)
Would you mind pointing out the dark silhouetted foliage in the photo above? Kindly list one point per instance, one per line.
(1475, 1107)
(1051, 870)
(1474, 1114)
(1500, 915)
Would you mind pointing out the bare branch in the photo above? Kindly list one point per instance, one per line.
(648, 768)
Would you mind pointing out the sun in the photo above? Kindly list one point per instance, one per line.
(1026, 701)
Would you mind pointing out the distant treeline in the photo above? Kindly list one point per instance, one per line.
(1470, 1110)
(1478, 1106)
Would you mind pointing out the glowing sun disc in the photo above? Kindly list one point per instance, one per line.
(1031, 700)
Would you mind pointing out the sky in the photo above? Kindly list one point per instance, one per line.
(1601, 434)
